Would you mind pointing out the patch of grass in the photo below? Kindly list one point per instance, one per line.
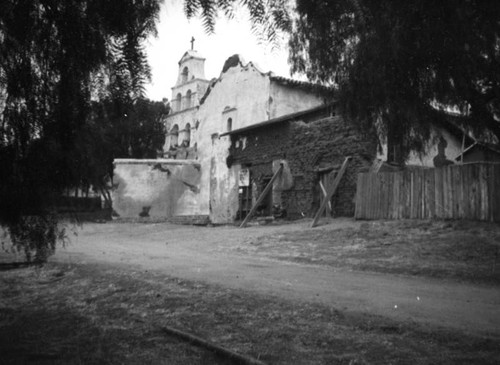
(467, 251)
(110, 315)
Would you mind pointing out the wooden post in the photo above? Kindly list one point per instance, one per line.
(325, 194)
(330, 193)
(261, 196)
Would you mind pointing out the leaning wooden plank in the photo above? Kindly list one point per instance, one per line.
(375, 167)
(331, 192)
(261, 197)
(217, 349)
(324, 195)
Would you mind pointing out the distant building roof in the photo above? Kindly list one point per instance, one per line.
(302, 84)
(481, 146)
(283, 118)
(191, 54)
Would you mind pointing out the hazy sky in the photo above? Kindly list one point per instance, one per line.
(233, 36)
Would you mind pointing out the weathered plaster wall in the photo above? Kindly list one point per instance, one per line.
(287, 100)
(158, 188)
(235, 91)
(223, 191)
(241, 87)
(307, 145)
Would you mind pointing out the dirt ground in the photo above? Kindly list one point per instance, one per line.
(346, 292)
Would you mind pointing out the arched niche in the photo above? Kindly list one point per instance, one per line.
(188, 99)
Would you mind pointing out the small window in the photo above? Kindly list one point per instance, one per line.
(229, 124)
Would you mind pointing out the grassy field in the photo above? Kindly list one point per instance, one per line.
(465, 251)
(103, 314)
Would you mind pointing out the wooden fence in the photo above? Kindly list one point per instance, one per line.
(469, 191)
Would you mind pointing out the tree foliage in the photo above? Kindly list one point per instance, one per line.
(398, 65)
(55, 56)
(403, 64)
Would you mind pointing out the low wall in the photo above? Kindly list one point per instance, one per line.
(156, 188)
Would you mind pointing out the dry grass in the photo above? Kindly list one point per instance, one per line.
(467, 251)
(89, 314)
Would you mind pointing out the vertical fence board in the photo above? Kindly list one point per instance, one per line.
(381, 201)
(438, 192)
(456, 191)
(453, 186)
(474, 191)
(491, 191)
(483, 190)
(370, 197)
(395, 196)
(496, 199)
(461, 188)
(408, 194)
(429, 194)
(446, 197)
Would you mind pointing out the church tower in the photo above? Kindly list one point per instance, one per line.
(190, 87)
(191, 83)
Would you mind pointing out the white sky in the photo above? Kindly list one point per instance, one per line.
(231, 36)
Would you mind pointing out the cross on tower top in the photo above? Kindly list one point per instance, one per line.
(192, 43)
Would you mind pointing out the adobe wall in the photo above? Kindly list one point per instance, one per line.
(156, 188)
(307, 146)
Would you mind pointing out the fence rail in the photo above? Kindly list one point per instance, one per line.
(469, 191)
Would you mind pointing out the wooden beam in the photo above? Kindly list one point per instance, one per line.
(325, 194)
(330, 193)
(261, 197)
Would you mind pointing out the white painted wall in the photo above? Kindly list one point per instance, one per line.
(140, 186)
(453, 149)
(287, 100)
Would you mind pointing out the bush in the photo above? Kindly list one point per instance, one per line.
(37, 236)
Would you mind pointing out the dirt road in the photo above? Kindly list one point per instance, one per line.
(202, 254)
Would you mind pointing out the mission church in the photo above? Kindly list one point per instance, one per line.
(227, 136)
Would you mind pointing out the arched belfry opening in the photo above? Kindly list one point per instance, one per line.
(188, 99)
(174, 136)
(185, 75)
(178, 102)
(186, 138)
